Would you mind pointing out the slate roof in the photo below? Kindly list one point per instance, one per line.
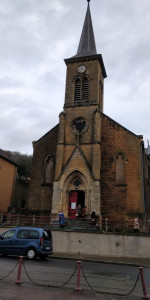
(87, 44)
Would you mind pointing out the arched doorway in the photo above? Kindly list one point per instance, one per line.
(75, 191)
(75, 198)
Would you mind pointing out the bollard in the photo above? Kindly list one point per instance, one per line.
(78, 288)
(145, 296)
(19, 270)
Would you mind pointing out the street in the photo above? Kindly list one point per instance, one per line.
(98, 279)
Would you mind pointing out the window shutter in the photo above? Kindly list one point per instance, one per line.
(77, 90)
(85, 89)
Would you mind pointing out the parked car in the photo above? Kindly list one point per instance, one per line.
(28, 241)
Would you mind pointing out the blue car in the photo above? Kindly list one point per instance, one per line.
(27, 241)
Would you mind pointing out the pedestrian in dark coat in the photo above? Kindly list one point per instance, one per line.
(93, 217)
(79, 211)
(61, 219)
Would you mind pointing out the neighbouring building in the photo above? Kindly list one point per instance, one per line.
(88, 158)
(147, 180)
(20, 195)
(8, 172)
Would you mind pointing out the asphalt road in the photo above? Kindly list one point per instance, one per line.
(98, 278)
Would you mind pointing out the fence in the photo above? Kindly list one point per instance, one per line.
(83, 224)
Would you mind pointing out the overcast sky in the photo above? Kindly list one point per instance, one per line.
(35, 38)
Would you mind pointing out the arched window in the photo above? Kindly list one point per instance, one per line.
(77, 90)
(120, 168)
(85, 89)
(81, 89)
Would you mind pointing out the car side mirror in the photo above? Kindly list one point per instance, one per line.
(1, 238)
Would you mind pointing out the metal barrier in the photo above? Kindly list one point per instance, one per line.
(84, 224)
(10, 272)
(18, 281)
(79, 274)
(145, 295)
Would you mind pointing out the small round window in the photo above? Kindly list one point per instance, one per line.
(79, 125)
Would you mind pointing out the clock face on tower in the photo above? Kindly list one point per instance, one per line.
(82, 69)
(79, 125)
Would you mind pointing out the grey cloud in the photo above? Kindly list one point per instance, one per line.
(36, 36)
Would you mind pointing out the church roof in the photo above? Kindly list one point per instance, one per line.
(87, 44)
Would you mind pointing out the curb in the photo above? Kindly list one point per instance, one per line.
(103, 260)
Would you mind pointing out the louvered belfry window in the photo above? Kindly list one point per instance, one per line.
(77, 90)
(81, 89)
(85, 89)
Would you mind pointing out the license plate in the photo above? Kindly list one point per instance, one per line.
(47, 248)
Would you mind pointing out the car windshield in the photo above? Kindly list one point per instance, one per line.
(8, 234)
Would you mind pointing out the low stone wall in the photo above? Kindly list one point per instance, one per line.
(99, 244)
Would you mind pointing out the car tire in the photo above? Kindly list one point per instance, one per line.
(31, 253)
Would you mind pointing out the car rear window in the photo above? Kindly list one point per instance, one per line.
(27, 234)
(46, 234)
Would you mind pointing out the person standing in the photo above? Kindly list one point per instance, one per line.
(93, 217)
(79, 211)
(61, 219)
(136, 226)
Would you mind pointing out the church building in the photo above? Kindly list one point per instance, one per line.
(87, 159)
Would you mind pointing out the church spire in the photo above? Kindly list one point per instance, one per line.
(87, 44)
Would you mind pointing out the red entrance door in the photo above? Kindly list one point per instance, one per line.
(73, 197)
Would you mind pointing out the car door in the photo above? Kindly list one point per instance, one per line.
(7, 240)
(47, 241)
(23, 240)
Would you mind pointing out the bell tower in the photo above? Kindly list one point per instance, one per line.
(78, 157)
(85, 71)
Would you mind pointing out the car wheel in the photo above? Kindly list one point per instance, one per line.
(31, 253)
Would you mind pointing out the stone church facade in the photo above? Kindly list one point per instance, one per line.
(88, 158)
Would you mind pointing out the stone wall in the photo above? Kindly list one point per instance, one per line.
(147, 183)
(40, 194)
(95, 244)
(120, 200)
